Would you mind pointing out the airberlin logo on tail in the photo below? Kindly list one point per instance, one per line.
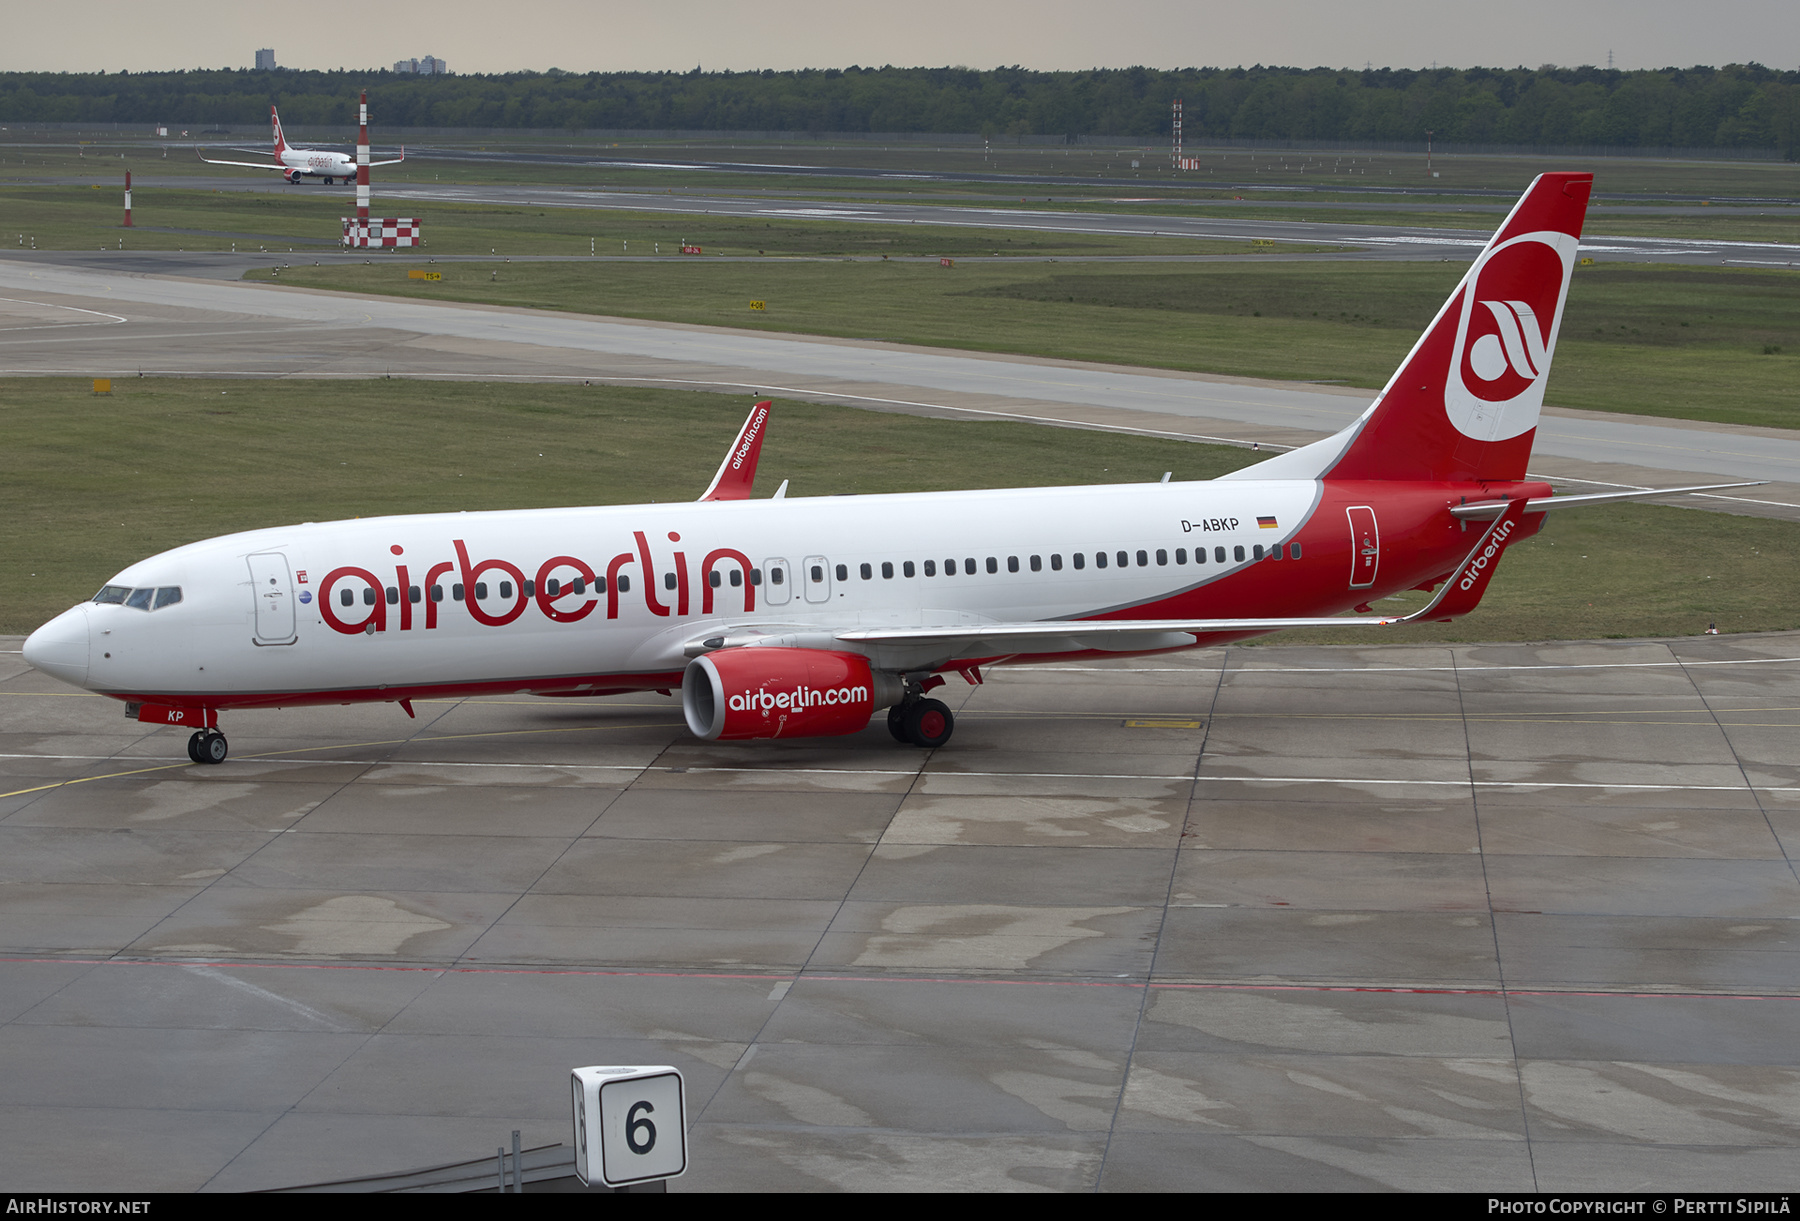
(1518, 345)
(1472, 571)
(1506, 331)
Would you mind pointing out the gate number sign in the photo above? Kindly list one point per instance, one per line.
(630, 1124)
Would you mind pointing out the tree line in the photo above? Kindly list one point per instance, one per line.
(1738, 106)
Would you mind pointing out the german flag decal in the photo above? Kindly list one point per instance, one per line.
(1266, 523)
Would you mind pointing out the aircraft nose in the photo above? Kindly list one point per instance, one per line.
(60, 647)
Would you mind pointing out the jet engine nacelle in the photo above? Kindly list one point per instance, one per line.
(773, 692)
(292, 176)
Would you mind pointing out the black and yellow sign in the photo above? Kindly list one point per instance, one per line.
(759, 305)
(424, 275)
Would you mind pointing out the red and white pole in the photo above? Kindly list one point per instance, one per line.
(1177, 132)
(128, 199)
(362, 165)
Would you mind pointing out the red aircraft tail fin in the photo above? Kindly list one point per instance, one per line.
(738, 471)
(1464, 403)
(280, 141)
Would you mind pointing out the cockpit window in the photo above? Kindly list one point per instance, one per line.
(139, 599)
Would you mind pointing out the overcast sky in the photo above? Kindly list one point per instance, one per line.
(613, 35)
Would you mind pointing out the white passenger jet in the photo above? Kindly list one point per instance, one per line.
(791, 617)
(297, 163)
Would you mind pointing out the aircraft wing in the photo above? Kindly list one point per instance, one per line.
(391, 161)
(1458, 596)
(249, 165)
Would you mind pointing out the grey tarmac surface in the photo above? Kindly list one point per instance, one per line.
(1490, 917)
(63, 315)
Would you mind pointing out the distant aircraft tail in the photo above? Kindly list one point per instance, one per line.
(1464, 404)
(280, 141)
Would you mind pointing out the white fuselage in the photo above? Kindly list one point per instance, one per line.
(440, 602)
(318, 163)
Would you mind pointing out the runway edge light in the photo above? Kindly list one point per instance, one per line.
(630, 1123)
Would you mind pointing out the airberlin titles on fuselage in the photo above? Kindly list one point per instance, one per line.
(566, 588)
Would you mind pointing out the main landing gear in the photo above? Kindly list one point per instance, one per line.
(921, 722)
(208, 746)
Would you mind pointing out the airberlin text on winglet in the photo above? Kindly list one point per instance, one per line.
(1471, 571)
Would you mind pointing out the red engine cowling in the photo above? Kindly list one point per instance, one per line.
(771, 692)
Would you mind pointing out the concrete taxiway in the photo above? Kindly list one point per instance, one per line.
(1475, 918)
(62, 319)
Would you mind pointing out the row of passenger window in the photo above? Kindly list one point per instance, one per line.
(1078, 561)
(552, 588)
(138, 599)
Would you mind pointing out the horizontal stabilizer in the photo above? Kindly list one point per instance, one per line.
(1487, 510)
(738, 471)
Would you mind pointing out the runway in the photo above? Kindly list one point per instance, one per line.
(1390, 241)
(1475, 918)
(62, 315)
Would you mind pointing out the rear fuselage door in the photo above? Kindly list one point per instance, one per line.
(1365, 546)
(272, 587)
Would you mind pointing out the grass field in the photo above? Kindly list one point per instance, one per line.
(1683, 342)
(1725, 224)
(91, 483)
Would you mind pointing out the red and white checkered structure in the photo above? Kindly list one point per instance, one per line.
(380, 233)
(391, 232)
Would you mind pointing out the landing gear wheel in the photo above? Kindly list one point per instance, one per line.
(194, 741)
(208, 746)
(897, 724)
(928, 723)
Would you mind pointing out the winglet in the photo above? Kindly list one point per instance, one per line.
(1462, 592)
(738, 471)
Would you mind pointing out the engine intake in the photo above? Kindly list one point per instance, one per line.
(771, 692)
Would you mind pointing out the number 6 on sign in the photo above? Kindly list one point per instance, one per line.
(630, 1124)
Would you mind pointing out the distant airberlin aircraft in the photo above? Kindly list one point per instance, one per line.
(792, 617)
(297, 163)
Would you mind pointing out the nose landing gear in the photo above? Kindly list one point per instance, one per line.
(208, 746)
